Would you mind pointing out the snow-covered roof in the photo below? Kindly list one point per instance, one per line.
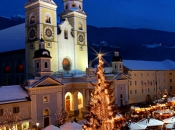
(15, 93)
(149, 65)
(12, 38)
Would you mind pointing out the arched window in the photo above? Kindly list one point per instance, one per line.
(47, 18)
(46, 112)
(32, 18)
(20, 68)
(66, 7)
(7, 69)
(68, 97)
(74, 5)
(121, 96)
(65, 34)
(79, 6)
(37, 65)
(80, 26)
(45, 64)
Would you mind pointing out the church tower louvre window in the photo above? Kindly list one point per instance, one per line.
(32, 18)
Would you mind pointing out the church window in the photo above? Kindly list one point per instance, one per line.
(37, 65)
(130, 91)
(32, 18)
(66, 64)
(115, 66)
(65, 34)
(7, 69)
(47, 18)
(20, 68)
(46, 112)
(45, 65)
(45, 99)
(1, 112)
(130, 83)
(66, 7)
(73, 5)
(79, 6)
(80, 26)
(15, 109)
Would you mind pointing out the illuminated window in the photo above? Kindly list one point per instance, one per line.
(47, 19)
(80, 26)
(20, 68)
(45, 99)
(7, 69)
(32, 18)
(15, 109)
(46, 112)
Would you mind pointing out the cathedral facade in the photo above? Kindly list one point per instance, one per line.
(67, 41)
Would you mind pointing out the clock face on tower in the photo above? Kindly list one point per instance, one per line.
(81, 38)
(48, 32)
(32, 33)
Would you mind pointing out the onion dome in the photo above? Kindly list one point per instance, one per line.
(116, 58)
(42, 53)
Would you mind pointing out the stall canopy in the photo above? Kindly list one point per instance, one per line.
(51, 127)
(169, 120)
(150, 122)
(71, 126)
(136, 126)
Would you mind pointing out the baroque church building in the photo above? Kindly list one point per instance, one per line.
(67, 41)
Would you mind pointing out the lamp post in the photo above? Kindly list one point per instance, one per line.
(37, 124)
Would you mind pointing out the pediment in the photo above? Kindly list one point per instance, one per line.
(45, 82)
(121, 76)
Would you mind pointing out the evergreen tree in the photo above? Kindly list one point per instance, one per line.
(101, 108)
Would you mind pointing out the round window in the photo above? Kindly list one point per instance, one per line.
(66, 64)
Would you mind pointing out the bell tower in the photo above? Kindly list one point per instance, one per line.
(41, 20)
(73, 12)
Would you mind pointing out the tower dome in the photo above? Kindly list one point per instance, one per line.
(42, 52)
(116, 56)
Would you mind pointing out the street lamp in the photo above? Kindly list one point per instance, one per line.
(37, 124)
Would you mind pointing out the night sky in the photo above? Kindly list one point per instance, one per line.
(152, 14)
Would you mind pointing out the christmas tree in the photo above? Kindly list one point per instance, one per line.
(102, 115)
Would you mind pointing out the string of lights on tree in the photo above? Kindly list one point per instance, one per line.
(102, 115)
